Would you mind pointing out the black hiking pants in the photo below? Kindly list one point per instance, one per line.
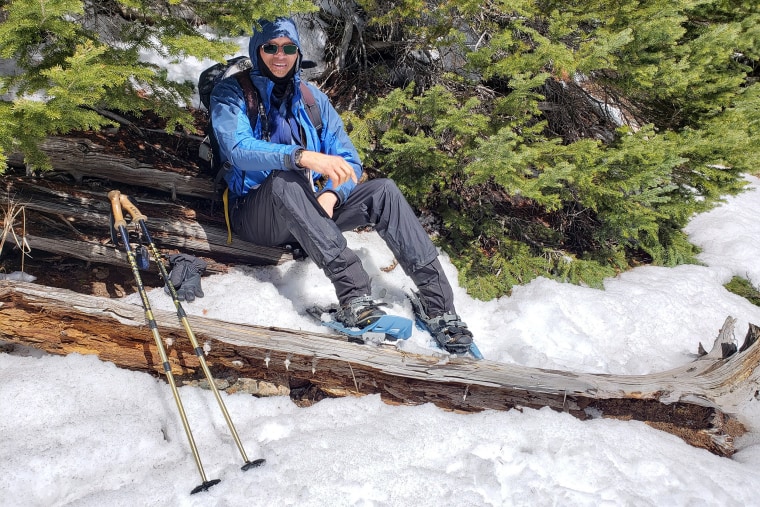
(284, 210)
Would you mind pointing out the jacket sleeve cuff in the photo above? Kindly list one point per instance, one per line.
(290, 159)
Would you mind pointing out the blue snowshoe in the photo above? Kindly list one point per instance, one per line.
(362, 321)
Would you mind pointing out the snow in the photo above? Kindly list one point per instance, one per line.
(190, 67)
(79, 431)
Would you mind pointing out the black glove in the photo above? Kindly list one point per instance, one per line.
(185, 276)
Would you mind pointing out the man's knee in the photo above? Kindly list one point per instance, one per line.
(389, 187)
(290, 190)
(288, 182)
(386, 194)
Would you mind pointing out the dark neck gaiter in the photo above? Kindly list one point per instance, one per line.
(281, 84)
(284, 128)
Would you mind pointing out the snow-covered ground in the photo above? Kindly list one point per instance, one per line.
(78, 431)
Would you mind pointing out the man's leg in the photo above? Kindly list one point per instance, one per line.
(379, 202)
(284, 209)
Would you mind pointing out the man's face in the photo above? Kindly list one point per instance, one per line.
(279, 63)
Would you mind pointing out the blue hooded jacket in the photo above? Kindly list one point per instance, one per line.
(252, 158)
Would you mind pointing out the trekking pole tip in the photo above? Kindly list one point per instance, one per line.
(252, 464)
(205, 486)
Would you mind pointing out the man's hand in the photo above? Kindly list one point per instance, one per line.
(335, 168)
(328, 200)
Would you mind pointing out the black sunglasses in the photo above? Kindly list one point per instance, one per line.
(288, 49)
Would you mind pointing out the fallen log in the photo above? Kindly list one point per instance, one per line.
(696, 401)
(81, 157)
(86, 215)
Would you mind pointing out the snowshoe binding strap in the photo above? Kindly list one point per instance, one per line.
(448, 330)
(381, 328)
(359, 312)
(450, 333)
(386, 328)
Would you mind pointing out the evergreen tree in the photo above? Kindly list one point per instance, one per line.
(77, 56)
(610, 125)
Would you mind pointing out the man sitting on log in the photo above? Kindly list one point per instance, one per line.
(292, 182)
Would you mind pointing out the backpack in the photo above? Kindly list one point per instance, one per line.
(209, 148)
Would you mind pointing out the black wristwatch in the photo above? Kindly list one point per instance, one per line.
(297, 157)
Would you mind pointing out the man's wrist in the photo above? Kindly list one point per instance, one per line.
(297, 157)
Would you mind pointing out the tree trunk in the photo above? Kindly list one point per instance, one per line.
(694, 401)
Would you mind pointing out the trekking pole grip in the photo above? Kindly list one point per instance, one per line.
(131, 208)
(118, 215)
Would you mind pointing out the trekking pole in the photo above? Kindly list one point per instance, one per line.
(121, 225)
(138, 217)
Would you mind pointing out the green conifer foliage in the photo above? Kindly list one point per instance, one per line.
(608, 126)
(76, 56)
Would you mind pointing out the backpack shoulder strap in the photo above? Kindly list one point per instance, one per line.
(312, 108)
(252, 103)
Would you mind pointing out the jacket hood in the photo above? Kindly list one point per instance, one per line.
(280, 27)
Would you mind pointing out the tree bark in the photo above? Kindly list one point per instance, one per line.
(82, 157)
(86, 217)
(695, 401)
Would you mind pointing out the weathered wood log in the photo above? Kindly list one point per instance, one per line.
(86, 213)
(695, 401)
(82, 157)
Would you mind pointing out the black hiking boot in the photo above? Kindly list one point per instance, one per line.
(448, 329)
(450, 333)
(359, 312)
